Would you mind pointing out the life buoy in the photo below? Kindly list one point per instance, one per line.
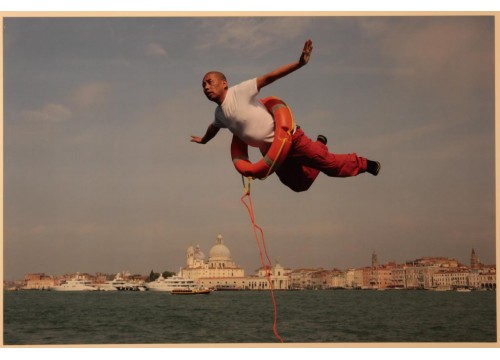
(277, 153)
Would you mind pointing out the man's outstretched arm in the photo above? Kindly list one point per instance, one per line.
(209, 135)
(284, 70)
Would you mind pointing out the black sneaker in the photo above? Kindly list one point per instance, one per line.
(322, 139)
(373, 167)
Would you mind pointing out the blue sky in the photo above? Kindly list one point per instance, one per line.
(100, 175)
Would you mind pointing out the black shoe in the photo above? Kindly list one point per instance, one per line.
(322, 139)
(373, 167)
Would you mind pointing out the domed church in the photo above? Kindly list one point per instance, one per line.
(219, 264)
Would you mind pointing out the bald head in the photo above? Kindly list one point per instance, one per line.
(217, 74)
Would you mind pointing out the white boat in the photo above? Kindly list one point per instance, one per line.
(441, 288)
(123, 285)
(171, 283)
(107, 286)
(120, 284)
(195, 291)
(75, 284)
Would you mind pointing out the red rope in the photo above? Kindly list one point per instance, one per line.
(267, 266)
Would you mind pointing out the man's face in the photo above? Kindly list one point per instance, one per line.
(214, 88)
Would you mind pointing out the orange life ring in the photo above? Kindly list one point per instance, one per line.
(277, 153)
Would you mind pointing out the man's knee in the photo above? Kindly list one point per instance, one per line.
(298, 187)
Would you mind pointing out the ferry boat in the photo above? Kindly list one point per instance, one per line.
(75, 284)
(171, 283)
(196, 291)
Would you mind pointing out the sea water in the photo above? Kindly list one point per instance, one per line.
(225, 317)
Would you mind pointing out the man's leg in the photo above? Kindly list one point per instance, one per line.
(315, 155)
(307, 158)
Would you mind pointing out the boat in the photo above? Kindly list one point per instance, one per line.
(75, 284)
(123, 285)
(463, 290)
(198, 291)
(107, 286)
(441, 288)
(227, 288)
(120, 284)
(171, 283)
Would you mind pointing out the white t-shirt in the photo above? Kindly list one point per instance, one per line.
(245, 116)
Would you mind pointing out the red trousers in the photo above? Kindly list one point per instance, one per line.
(308, 158)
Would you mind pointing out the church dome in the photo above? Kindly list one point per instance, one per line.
(219, 251)
(198, 254)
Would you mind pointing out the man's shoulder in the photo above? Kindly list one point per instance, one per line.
(249, 85)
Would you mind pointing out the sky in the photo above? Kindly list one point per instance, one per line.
(100, 174)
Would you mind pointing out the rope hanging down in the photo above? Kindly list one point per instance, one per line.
(261, 244)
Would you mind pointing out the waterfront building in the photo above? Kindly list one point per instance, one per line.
(451, 278)
(484, 278)
(338, 280)
(382, 277)
(279, 276)
(219, 264)
(221, 272)
(367, 275)
(349, 279)
(305, 278)
(38, 281)
(362, 277)
(319, 279)
(418, 274)
(399, 277)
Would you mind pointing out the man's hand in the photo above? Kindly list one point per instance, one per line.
(209, 135)
(284, 70)
(197, 139)
(306, 52)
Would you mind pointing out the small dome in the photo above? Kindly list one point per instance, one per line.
(219, 251)
(198, 254)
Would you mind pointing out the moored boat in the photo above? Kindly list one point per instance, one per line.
(171, 283)
(120, 284)
(197, 291)
(227, 288)
(75, 284)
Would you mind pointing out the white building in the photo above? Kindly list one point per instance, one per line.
(452, 278)
(219, 264)
(221, 272)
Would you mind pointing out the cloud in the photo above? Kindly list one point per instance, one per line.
(154, 49)
(49, 113)
(432, 48)
(92, 94)
(250, 34)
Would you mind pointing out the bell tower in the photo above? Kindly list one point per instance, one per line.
(374, 260)
(474, 261)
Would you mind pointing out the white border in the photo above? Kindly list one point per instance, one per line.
(254, 5)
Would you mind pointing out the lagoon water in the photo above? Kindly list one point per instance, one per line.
(328, 316)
